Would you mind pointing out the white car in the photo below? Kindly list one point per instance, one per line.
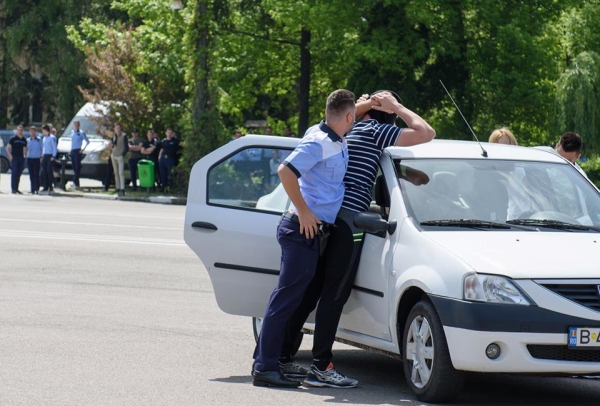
(491, 266)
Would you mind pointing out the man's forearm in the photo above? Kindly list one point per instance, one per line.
(289, 180)
(412, 119)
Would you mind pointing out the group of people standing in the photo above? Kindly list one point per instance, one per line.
(163, 154)
(35, 152)
(328, 178)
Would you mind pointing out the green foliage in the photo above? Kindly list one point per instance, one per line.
(592, 169)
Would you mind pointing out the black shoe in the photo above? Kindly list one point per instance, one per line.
(272, 378)
(19, 193)
(14, 193)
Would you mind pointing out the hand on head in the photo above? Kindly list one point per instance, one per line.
(385, 102)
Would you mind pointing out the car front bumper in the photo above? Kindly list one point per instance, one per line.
(531, 339)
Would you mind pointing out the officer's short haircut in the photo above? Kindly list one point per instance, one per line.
(570, 142)
(381, 116)
(339, 103)
(46, 127)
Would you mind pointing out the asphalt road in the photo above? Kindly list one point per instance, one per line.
(102, 303)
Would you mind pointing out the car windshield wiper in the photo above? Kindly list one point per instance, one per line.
(474, 223)
(559, 225)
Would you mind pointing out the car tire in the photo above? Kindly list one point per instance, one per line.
(4, 165)
(257, 326)
(427, 365)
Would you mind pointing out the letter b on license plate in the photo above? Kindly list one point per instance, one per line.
(584, 337)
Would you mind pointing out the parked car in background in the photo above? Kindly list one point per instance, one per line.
(95, 155)
(492, 266)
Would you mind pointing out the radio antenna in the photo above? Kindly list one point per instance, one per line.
(483, 151)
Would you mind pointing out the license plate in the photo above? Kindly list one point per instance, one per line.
(584, 337)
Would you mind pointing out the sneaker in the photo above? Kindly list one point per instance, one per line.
(293, 370)
(329, 378)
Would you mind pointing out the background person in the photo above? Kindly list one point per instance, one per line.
(569, 147)
(135, 154)
(502, 135)
(150, 150)
(167, 157)
(49, 152)
(312, 176)
(120, 147)
(34, 158)
(16, 151)
(77, 138)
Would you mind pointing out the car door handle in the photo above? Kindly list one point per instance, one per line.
(204, 224)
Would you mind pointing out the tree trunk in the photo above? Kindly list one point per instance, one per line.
(304, 84)
(200, 27)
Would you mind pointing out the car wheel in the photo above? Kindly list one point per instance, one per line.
(427, 365)
(257, 326)
(4, 165)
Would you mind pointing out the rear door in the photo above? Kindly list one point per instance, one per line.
(234, 203)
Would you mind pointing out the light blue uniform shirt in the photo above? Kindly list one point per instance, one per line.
(77, 138)
(49, 145)
(320, 161)
(34, 147)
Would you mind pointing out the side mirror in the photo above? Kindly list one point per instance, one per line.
(373, 223)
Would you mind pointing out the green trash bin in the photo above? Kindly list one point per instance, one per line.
(146, 173)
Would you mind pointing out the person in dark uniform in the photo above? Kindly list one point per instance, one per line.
(135, 154)
(333, 281)
(167, 157)
(16, 151)
(150, 150)
(312, 176)
(34, 158)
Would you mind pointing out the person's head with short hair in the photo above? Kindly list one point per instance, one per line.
(569, 146)
(340, 111)
(150, 134)
(76, 125)
(169, 132)
(46, 129)
(32, 131)
(237, 134)
(383, 117)
(502, 135)
(117, 128)
(268, 131)
(135, 132)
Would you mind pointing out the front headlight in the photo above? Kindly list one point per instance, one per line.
(492, 289)
(93, 157)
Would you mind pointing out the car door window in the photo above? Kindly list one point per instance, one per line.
(248, 180)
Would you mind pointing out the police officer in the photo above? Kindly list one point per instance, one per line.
(77, 138)
(333, 282)
(312, 176)
(34, 158)
(150, 150)
(48, 156)
(167, 157)
(16, 151)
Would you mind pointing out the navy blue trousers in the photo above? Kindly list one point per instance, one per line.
(76, 162)
(33, 166)
(299, 257)
(166, 166)
(16, 170)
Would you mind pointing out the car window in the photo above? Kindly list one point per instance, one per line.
(494, 190)
(248, 180)
(92, 129)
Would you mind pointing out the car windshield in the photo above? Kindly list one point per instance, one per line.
(466, 192)
(91, 128)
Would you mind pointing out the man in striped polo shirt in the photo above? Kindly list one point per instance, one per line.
(332, 285)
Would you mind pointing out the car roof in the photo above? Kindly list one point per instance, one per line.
(452, 149)
(472, 150)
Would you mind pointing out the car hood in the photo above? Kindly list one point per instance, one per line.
(525, 255)
(96, 145)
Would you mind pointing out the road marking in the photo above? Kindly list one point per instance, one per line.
(77, 223)
(89, 237)
(63, 211)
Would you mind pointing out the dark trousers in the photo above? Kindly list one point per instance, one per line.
(47, 174)
(299, 258)
(330, 288)
(16, 168)
(76, 162)
(33, 166)
(109, 175)
(166, 165)
(133, 171)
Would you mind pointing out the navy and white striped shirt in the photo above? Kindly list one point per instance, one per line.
(366, 143)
